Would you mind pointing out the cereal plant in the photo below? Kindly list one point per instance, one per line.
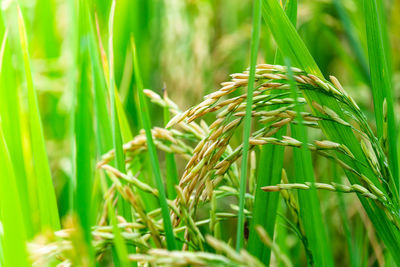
(199, 133)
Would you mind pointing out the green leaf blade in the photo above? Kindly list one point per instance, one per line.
(14, 235)
(381, 80)
(310, 211)
(145, 118)
(269, 173)
(255, 39)
(47, 199)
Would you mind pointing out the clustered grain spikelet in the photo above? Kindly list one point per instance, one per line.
(213, 160)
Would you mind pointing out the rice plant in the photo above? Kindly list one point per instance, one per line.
(199, 133)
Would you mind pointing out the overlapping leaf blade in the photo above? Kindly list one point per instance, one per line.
(293, 47)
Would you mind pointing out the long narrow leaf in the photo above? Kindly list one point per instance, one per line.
(116, 111)
(47, 199)
(352, 39)
(9, 107)
(379, 56)
(83, 136)
(269, 173)
(83, 142)
(287, 38)
(117, 139)
(14, 235)
(289, 42)
(100, 94)
(310, 211)
(144, 112)
(255, 39)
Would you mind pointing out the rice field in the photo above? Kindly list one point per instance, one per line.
(199, 133)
